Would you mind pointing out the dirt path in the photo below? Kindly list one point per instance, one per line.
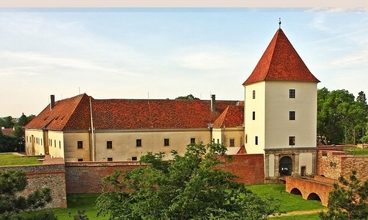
(305, 212)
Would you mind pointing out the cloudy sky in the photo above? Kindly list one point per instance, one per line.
(166, 52)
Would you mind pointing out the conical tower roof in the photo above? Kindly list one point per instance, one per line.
(280, 62)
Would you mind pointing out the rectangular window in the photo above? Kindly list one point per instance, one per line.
(134, 158)
(80, 159)
(291, 115)
(109, 159)
(256, 140)
(253, 115)
(292, 140)
(80, 144)
(232, 142)
(218, 141)
(166, 142)
(54, 143)
(254, 94)
(41, 141)
(192, 140)
(109, 144)
(59, 144)
(138, 142)
(291, 93)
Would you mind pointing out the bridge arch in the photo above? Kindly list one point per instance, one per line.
(296, 191)
(314, 196)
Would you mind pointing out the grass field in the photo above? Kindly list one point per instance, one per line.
(8, 159)
(356, 151)
(289, 203)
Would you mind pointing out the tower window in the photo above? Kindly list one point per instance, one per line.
(254, 94)
(253, 115)
(292, 93)
(292, 140)
(256, 140)
(291, 115)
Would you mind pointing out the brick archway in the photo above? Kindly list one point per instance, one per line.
(314, 196)
(296, 191)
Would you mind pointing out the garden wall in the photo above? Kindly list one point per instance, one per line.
(86, 177)
(40, 176)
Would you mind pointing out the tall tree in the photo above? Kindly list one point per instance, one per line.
(188, 97)
(348, 200)
(8, 122)
(187, 187)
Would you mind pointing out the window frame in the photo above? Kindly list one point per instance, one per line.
(138, 142)
(256, 140)
(108, 144)
(192, 140)
(232, 142)
(292, 115)
(79, 144)
(291, 140)
(253, 115)
(254, 94)
(166, 142)
(292, 93)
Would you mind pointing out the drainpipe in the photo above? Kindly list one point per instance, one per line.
(93, 132)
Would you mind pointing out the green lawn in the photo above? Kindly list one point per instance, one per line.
(8, 159)
(289, 202)
(356, 151)
(299, 217)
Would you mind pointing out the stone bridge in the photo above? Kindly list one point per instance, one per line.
(317, 188)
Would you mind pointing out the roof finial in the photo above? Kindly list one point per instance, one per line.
(279, 23)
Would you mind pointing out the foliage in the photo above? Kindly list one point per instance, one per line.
(341, 118)
(348, 200)
(81, 215)
(13, 182)
(188, 97)
(187, 187)
(7, 122)
(8, 143)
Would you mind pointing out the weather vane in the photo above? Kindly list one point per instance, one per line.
(279, 23)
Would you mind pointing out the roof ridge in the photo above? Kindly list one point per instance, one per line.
(221, 118)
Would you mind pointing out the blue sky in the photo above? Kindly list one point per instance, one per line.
(167, 52)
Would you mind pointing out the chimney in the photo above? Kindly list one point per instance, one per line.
(213, 106)
(52, 101)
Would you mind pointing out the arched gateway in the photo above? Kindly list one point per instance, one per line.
(285, 166)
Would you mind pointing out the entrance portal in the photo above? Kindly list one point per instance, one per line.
(285, 166)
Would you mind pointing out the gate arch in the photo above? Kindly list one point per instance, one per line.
(285, 166)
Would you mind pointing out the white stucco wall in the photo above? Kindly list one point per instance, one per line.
(278, 127)
(255, 127)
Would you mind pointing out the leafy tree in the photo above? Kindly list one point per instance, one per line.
(348, 200)
(188, 97)
(8, 122)
(11, 183)
(187, 187)
(339, 117)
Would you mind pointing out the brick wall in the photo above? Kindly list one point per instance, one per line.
(86, 177)
(40, 176)
(249, 168)
(332, 164)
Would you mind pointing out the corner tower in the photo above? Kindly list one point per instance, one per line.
(280, 111)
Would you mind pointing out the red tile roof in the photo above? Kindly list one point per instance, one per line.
(231, 117)
(74, 114)
(280, 62)
(7, 131)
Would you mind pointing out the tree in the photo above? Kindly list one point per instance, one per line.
(187, 187)
(341, 118)
(188, 97)
(11, 183)
(348, 199)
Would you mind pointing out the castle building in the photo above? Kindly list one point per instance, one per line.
(280, 111)
(278, 118)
